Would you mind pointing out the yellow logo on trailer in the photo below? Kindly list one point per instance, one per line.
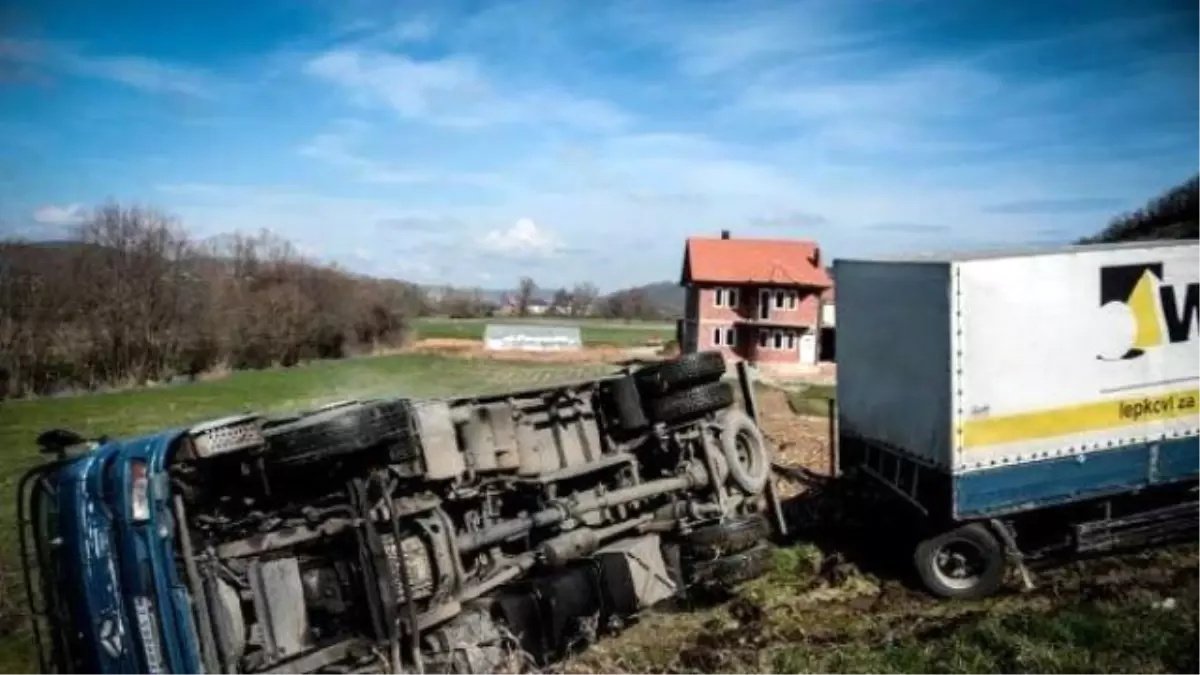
(1153, 305)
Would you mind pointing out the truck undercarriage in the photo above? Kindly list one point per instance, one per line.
(395, 535)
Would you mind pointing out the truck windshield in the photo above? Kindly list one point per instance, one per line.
(40, 539)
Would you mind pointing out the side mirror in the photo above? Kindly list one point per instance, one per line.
(55, 441)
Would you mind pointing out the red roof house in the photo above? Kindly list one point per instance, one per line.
(753, 299)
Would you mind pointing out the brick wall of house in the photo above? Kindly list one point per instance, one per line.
(801, 311)
(786, 350)
(800, 308)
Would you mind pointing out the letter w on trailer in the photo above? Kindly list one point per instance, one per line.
(1024, 402)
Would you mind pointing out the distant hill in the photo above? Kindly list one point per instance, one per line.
(1171, 215)
(666, 298)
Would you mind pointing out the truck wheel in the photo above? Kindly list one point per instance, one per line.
(682, 372)
(745, 450)
(722, 538)
(967, 562)
(730, 570)
(692, 403)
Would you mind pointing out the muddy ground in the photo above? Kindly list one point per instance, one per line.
(840, 599)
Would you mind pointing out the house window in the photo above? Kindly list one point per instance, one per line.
(778, 299)
(778, 339)
(716, 336)
(763, 338)
(725, 297)
(791, 339)
(792, 299)
(764, 304)
(730, 337)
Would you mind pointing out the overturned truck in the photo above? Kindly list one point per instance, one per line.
(394, 535)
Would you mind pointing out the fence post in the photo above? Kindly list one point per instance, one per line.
(750, 403)
(834, 441)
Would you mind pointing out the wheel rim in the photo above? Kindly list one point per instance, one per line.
(743, 451)
(959, 564)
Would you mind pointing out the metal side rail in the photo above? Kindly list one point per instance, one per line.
(1161, 525)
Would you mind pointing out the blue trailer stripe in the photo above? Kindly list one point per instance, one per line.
(1056, 481)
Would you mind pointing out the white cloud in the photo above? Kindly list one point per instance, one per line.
(338, 148)
(69, 214)
(415, 29)
(523, 239)
(453, 92)
(137, 72)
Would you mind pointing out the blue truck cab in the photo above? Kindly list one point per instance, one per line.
(100, 547)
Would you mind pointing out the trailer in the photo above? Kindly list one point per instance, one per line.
(1023, 403)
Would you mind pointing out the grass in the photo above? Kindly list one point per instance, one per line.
(1106, 617)
(812, 400)
(593, 332)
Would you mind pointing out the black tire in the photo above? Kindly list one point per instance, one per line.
(625, 402)
(723, 538)
(745, 450)
(729, 571)
(691, 403)
(681, 373)
(965, 563)
(340, 431)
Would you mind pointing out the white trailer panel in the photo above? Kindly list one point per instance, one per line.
(974, 362)
(1074, 352)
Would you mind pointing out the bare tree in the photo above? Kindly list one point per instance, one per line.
(583, 296)
(526, 287)
(133, 299)
(561, 303)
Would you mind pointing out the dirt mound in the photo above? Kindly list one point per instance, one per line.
(799, 441)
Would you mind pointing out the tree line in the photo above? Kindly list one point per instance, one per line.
(132, 298)
(583, 299)
(1171, 215)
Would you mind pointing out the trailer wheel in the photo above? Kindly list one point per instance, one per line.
(682, 372)
(692, 403)
(967, 562)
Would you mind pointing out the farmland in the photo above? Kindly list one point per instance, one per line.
(830, 608)
(594, 332)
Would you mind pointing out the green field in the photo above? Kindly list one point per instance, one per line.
(594, 332)
(812, 399)
(1102, 618)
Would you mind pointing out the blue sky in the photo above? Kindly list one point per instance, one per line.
(472, 142)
